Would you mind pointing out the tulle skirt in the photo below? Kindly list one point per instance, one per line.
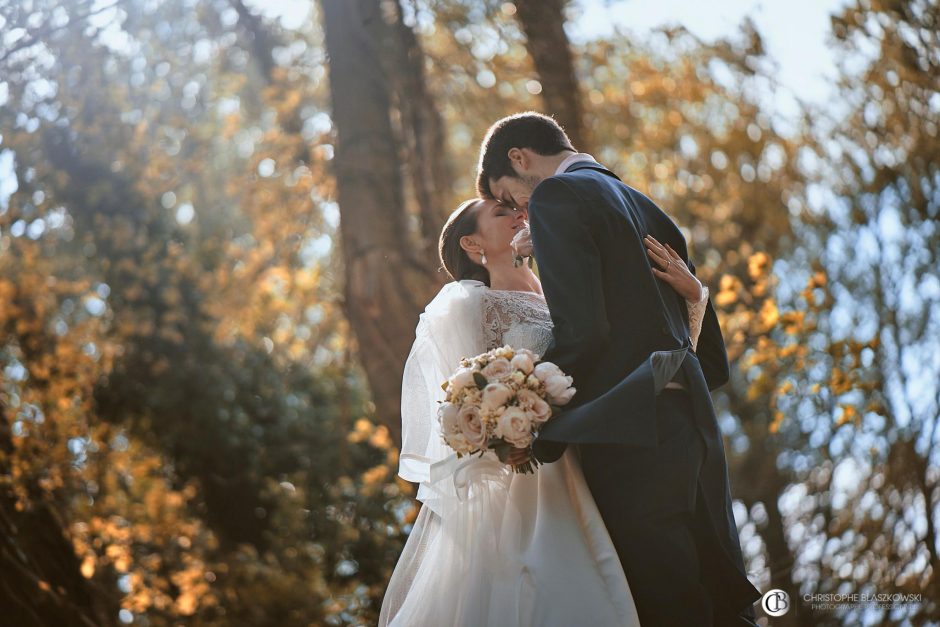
(514, 551)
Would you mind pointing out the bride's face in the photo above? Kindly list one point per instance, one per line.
(497, 224)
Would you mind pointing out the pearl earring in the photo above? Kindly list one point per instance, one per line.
(483, 257)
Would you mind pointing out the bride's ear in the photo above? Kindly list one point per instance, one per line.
(470, 245)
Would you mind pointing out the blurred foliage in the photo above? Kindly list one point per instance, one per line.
(185, 416)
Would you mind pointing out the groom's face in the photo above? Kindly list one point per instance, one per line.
(514, 191)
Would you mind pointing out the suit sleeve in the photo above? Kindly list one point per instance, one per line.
(570, 270)
(711, 351)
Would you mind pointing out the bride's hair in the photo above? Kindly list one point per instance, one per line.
(463, 221)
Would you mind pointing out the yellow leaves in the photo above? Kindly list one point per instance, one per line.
(793, 322)
(380, 438)
(728, 290)
(769, 314)
(88, 567)
(762, 385)
(839, 382)
(757, 265)
(375, 475)
(849, 414)
(186, 604)
(362, 430)
(776, 422)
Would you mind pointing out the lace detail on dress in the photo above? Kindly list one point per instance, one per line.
(696, 315)
(519, 319)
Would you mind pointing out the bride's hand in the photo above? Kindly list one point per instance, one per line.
(522, 243)
(673, 270)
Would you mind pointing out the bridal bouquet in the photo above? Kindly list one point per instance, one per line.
(499, 400)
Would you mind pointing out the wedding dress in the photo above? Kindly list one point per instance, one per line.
(490, 547)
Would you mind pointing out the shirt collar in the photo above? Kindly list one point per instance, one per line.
(570, 159)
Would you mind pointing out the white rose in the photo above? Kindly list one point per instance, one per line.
(535, 405)
(559, 389)
(495, 395)
(461, 379)
(450, 429)
(515, 426)
(523, 362)
(447, 415)
(497, 370)
(547, 369)
(471, 426)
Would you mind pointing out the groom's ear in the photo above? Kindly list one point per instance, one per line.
(518, 159)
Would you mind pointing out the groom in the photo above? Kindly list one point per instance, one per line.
(642, 419)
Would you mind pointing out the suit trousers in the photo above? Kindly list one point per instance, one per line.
(651, 503)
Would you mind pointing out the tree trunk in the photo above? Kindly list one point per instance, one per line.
(386, 288)
(543, 22)
(422, 132)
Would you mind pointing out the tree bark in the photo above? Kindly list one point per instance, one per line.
(422, 132)
(543, 22)
(385, 287)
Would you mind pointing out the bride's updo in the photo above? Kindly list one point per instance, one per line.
(463, 221)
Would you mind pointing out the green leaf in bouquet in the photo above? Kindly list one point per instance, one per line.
(480, 380)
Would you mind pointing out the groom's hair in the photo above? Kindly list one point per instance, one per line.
(537, 132)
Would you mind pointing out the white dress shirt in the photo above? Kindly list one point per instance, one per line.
(578, 156)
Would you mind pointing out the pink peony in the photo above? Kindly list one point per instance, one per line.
(559, 390)
(515, 426)
(471, 426)
(497, 370)
(523, 362)
(535, 405)
(495, 395)
(547, 369)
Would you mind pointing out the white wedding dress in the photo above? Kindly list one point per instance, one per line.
(490, 547)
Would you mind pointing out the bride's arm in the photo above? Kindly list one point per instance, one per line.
(696, 315)
(709, 345)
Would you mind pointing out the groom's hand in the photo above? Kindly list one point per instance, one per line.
(522, 243)
(518, 456)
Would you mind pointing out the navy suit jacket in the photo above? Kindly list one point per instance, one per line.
(612, 316)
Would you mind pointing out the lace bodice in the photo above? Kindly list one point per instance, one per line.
(521, 320)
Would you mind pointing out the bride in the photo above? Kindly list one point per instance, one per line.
(491, 547)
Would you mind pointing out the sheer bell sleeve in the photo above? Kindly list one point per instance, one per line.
(449, 329)
(696, 315)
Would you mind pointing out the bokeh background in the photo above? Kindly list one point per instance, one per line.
(218, 222)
